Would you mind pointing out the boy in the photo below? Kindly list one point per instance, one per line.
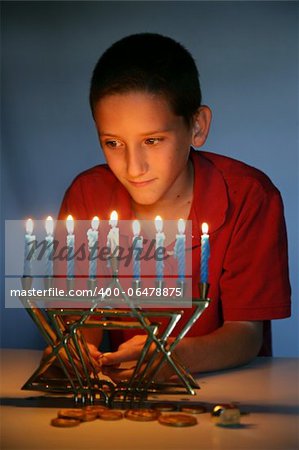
(146, 103)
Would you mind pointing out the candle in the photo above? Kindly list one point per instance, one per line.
(70, 242)
(49, 225)
(92, 236)
(160, 238)
(205, 253)
(113, 235)
(137, 249)
(179, 249)
(29, 248)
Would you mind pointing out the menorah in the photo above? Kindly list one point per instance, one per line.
(68, 349)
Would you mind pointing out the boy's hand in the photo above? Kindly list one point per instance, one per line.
(130, 351)
(94, 352)
(127, 351)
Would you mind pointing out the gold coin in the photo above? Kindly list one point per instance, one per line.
(70, 413)
(163, 407)
(110, 415)
(64, 423)
(177, 420)
(88, 416)
(193, 409)
(95, 408)
(142, 415)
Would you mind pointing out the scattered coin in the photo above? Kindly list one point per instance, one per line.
(97, 409)
(110, 415)
(88, 416)
(70, 413)
(193, 409)
(142, 415)
(163, 407)
(64, 423)
(177, 420)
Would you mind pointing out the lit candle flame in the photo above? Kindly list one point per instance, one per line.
(95, 223)
(159, 224)
(70, 224)
(136, 227)
(49, 225)
(205, 228)
(29, 226)
(181, 226)
(113, 219)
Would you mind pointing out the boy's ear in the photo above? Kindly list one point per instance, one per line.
(201, 125)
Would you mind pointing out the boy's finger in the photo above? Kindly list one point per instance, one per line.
(116, 358)
(94, 352)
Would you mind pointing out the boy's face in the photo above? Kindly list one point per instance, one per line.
(146, 146)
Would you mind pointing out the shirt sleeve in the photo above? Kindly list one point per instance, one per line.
(255, 282)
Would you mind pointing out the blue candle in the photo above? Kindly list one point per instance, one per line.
(137, 244)
(49, 225)
(92, 236)
(29, 252)
(160, 238)
(70, 243)
(179, 249)
(205, 253)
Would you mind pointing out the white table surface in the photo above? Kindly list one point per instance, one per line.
(267, 388)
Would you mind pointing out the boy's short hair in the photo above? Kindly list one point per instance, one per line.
(150, 63)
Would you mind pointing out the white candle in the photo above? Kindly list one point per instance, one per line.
(113, 235)
(160, 238)
(179, 249)
(49, 225)
(70, 243)
(29, 250)
(137, 243)
(93, 236)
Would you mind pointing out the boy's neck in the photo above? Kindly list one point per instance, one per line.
(177, 205)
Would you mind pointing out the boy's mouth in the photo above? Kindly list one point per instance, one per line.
(140, 184)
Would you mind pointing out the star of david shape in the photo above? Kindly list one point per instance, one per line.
(69, 347)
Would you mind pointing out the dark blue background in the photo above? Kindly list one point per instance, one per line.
(247, 54)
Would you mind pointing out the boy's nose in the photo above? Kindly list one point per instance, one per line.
(136, 163)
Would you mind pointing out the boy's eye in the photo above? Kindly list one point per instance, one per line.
(153, 141)
(113, 143)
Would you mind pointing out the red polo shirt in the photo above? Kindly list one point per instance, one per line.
(249, 262)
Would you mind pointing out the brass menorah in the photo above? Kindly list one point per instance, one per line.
(68, 349)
